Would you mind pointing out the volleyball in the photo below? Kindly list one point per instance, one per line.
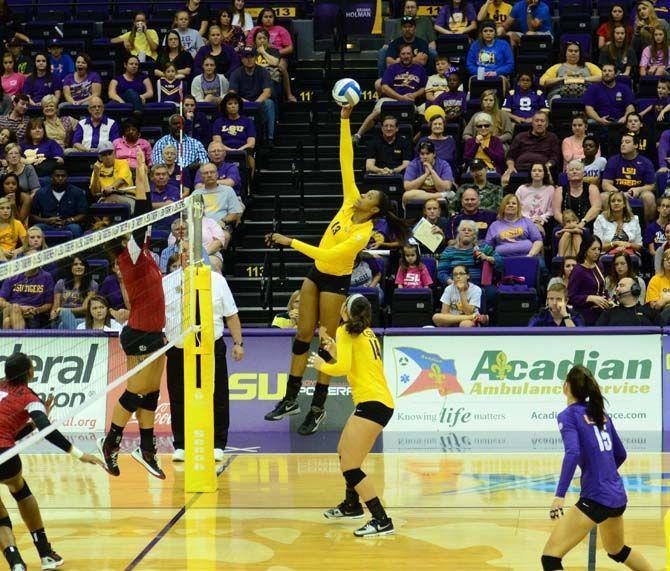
(347, 92)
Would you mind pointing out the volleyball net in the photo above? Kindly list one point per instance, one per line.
(74, 348)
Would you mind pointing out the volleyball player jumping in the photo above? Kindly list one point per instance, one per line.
(142, 336)
(21, 411)
(358, 355)
(324, 289)
(592, 443)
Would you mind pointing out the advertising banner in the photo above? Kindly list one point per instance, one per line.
(514, 383)
(72, 370)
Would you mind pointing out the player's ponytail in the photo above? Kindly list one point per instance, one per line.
(585, 388)
(360, 314)
(399, 228)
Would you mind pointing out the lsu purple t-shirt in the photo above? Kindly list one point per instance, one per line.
(609, 101)
(136, 84)
(234, 133)
(629, 173)
(403, 79)
(38, 87)
(513, 238)
(80, 90)
(32, 291)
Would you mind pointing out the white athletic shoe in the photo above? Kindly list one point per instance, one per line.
(218, 455)
(375, 528)
(52, 561)
(178, 455)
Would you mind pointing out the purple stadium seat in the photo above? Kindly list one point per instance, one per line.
(522, 266)
(372, 295)
(392, 185)
(453, 46)
(478, 86)
(402, 110)
(55, 237)
(80, 163)
(115, 211)
(431, 265)
(99, 269)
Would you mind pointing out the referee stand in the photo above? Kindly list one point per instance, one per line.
(199, 468)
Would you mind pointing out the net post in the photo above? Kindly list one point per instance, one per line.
(199, 468)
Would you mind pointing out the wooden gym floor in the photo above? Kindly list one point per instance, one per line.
(452, 512)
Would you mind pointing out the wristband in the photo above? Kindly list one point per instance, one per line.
(74, 451)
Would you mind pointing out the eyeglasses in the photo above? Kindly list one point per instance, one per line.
(482, 126)
(459, 274)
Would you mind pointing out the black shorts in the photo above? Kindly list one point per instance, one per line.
(136, 342)
(598, 512)
(329, 283)
(375, 411)
(10, 468)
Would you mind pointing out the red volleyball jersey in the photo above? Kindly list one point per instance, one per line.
(143, 281)
(16, 404)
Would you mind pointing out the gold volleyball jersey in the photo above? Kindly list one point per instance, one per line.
(359, 357)
(342, 240)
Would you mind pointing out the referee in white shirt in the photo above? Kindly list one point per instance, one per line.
(224, 307)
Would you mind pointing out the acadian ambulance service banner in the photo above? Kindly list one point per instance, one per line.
(467, 383)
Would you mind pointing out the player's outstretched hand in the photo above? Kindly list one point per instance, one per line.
(345, 112)
(140, 157)
(556, 510)
(274, 240)
(91, 459)
(327, 342)
(315, 361)
(49, 404)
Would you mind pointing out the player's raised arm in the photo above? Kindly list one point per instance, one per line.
(350, 190)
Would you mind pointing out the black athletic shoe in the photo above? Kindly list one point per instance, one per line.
(374, 528)
(149, 461)
(110, 456)
(52, 561)
(314, 418)
(344, 511)
(285, 407)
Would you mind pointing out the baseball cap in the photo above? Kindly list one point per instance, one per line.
(105, 147)
(408, 20)
(477, 165)
(248, 51)
(55, 43)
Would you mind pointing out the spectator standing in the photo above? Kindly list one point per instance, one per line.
(388, 153)
(82, 85)
(60, 205)
(141, 41)
(96, 129)
(253, 83)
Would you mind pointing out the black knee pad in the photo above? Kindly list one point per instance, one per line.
(6, 522)
(150, 401)
(325, 355)
(23, 493)
(353, 477)
(130, 401)
(300, 347)
(622, 555)
(550, 563)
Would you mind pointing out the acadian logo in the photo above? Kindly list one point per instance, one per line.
(497, 366)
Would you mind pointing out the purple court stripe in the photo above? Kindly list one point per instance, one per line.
(169, 525)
